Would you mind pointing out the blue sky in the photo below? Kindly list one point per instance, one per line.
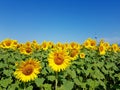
(60, 20)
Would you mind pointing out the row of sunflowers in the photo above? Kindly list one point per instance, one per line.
(91, 65)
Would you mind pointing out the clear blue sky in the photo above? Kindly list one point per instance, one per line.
(60, 20)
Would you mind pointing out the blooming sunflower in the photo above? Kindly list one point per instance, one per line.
(74, 45)
(58, 60)
(107, 45)
(25, 49)
(90, 44)
(35, 45)
(86, 44)
(8, 43)
(27, 70)
(93, 44)
(45, 45)
(115, 47)
(74, 54)
(102, 49)
(82, 55)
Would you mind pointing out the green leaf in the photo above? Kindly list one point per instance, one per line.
(13, 86)
(109, 65)
(92, 83)
(42, 64)
(68, 85)
(44, 72)
(102, 83)
(104, 70)
(111, 72)
(71, 73)
(80, 78)
(78, 71)
(5, 82)
(0, 88)
(78, 63)
(11, 60)
(51, 78)
(83, 85)
(49, 70)
(39, 81)
(8, 72)
(97, 74)
(61, 88)
(29, 88)
(88, 71)
(77, 82)
(100, 64)
(47, 86)
(118, 76)
(2, 65)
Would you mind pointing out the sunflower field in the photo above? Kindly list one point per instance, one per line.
(31, 65)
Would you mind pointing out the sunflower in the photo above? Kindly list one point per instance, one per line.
(93, 44)
(102, 49)
(74, 45)
(62, 46)
(87, 44)
(58, 60)
(8, 43)
(82, 55)
(26, 49)
(35, 45)
(115, 47)
(27, 70)
(59, 45)
(90, 44)
(45, 45)
(107, 45)
(74, 53)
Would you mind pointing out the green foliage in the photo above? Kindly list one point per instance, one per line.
(94, 72)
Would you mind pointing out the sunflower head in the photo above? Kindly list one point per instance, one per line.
(59, 45)
(102, 41)
(26, 49)
(27, 70)
(58, 60)
(35, 45)
(8, 43)
(82, 55)
(102, 49)
(92, 44)
(74, 45)
(107, 45)
(87, 44)
(45, 45)
(50, 44)
(74, 53)
(115, 47)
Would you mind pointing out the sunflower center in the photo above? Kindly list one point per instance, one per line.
(58, 59)
(73, 52)
(101, 48)
(8, 43)
(82, 55)
(86, 44)
(44, 45)
(114, 48)
(92, 44)
(28, 50)
(27, 70)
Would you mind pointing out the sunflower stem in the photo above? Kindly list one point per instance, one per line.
(24, 86)
(56, 80)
